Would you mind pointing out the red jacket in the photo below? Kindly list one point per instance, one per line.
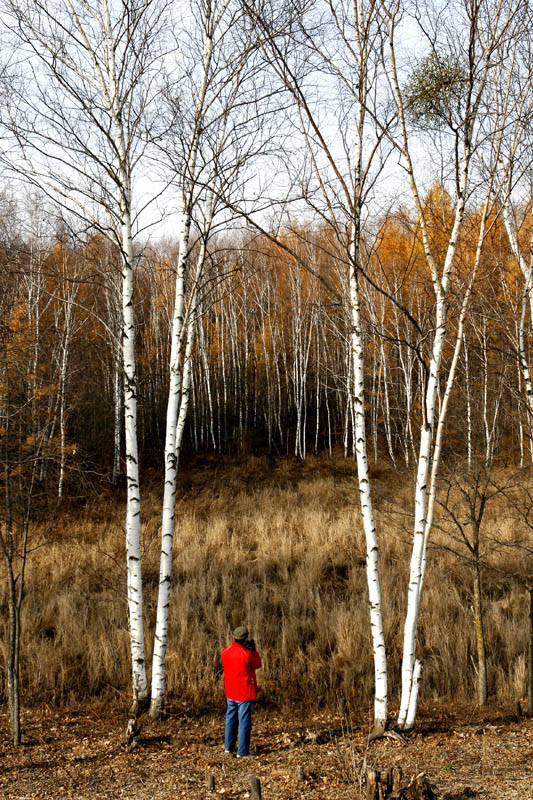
(240, 665)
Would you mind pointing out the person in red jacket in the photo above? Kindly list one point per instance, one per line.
(240, 662)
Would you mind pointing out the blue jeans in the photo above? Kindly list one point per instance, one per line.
(238, 717)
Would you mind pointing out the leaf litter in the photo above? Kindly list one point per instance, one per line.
(465, 753)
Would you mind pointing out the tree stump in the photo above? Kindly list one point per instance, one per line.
(419, 788)
(387, 785)
(397, 775)
(255, 785)
(386, 781)
(373, 779)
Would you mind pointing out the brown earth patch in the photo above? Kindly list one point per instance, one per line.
(300, 754)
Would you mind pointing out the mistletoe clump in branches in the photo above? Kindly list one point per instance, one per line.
(434, 91)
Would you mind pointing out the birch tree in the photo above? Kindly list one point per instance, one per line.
(470, 487)
(341, 158)
(511, 100)
(67, 327)
(80, 120)
(446, 90)
(213, 135)
(208, 19)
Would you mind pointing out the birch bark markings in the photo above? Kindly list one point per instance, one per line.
(362, 19)
(213, 23)
(343, 182)
(365, 497)
(133, 507)
(479, 52)
(89, 127)
(178, 402)
(459, 339)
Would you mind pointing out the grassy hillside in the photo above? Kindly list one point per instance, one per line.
(280, 545)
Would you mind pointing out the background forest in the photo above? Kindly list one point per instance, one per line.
(271, 362)
(268, 521)
(328, 351)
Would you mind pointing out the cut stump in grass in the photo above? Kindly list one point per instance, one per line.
(255, 785)
(387, 785)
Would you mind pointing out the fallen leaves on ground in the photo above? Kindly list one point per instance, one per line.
(321, 756)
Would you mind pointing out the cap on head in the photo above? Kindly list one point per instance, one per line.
(240, 633)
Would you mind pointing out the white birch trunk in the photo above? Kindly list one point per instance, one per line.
(527, 273)
(176, 416)
(175, 397)
(171, 470)
(413, 699)
(133, 509)
(187, 365)
(93, 98)
(63, 397)
(459, 339)
(440, 285)
(424, 461)
(522, 367)
(367, 512)
(117, 413)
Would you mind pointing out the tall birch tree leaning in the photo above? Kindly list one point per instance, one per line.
(444, 93)
(80, 122)
(212, 140)
(178, 399)
(342, 154)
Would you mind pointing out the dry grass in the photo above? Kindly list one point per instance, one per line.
(280, 545)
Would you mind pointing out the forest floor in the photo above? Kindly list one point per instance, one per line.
(464, 752)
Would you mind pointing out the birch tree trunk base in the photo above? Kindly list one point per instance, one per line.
(380, 732)
(133, 733)
(139, 706)
(156, 710)
(132, 736)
